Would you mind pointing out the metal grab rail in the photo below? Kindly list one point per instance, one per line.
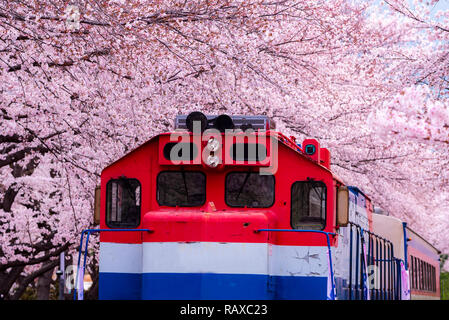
(380, 254)
(88, 232)
(328, 248)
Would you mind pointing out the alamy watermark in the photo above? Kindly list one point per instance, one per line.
(243, 147)
(372, 277)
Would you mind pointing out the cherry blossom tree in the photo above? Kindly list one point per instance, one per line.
(84, 82)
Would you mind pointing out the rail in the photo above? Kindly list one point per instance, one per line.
(76, 293)
(328, 249)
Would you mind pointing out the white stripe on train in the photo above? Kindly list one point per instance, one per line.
(214, 257)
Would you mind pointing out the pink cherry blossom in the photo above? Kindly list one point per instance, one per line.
(367, 79)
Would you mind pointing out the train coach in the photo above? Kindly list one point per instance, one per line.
(225, 207)
(419, 255)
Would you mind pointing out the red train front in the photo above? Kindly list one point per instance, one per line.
(236, 211)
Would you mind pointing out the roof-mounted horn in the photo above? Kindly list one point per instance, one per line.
(222, 122)
(196, 116)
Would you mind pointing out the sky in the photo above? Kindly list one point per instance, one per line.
(441, 5)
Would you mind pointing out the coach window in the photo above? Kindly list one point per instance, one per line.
(423, 276)
(434, 287)
(249, 189)
(181, 188)
(308, 205)
(415, 273)
(123, 203)
(420, 274)
(426, 276)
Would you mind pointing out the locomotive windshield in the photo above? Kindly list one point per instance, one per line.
(249, 189)
(181, 188)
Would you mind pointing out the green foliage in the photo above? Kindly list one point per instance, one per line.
(54, 290)
(29, 294)
(444, 285)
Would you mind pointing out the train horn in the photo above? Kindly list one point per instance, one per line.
(223, 122)
(196, 116)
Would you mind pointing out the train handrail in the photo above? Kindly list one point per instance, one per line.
(328, 248)
(381, 254)
(88, 232)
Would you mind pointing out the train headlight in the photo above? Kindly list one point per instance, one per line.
(213, 144)
(212, 161)
(310, 149)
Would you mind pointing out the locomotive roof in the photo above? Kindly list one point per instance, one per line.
(427, 242)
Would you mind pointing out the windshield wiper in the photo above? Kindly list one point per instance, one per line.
(185, 184)
(243, 184)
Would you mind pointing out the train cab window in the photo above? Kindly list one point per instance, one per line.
(178, 151)
(308, 205)
(248, 152)
(123, 203)
(181, 188)
(249, 189)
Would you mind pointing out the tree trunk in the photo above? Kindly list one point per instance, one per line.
(7, 280)
(43, 285)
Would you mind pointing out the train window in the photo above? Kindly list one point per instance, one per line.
(123, 203)
(248, 152)
(181, 188)
(426, 272)
(249, 189)
(416, 272)
(421, 275)
(430, 278)
(434, 284)
(415, 281)
(178, 151)
(308, 205)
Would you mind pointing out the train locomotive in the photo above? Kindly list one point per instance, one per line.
(225, 207)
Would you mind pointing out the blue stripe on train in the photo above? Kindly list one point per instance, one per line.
(120, 286)
(212, 286)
